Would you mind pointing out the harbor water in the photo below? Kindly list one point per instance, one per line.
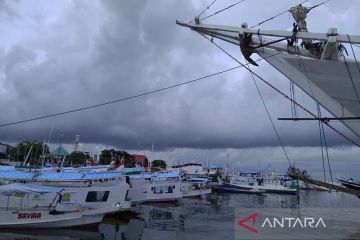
(211, 218)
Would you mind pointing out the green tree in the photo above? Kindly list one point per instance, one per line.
(77, 158)
(20, 151)
(108, 155)
(158, 164)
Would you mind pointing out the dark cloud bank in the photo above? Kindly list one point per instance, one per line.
(91, 52)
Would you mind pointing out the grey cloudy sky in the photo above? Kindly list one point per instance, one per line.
(60, 55)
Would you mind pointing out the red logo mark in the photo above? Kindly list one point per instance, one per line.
(242, 223)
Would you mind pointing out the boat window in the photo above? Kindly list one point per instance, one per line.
(158, 190)
(65, 197)
(97, 196)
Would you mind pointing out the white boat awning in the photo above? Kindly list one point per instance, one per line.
(27, 188)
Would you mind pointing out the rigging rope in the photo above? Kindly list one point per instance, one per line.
(217, 12)
(283, 94)
(351, 79)
(321, 141)
(325, 145)
(207, 8)
(277, 15)
(353, 52)
(294, 110)
(327, 153)
(270, 118)
(129, 98)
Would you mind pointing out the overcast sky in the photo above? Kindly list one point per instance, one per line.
(60, 55)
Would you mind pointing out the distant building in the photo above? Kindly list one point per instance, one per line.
(59, 152)
(5, 148)
(140, 160)
(189, 168)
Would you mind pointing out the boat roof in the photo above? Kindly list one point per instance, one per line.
(199, 179)
(56, 176)
(20, 175)
(186, 165)
(158, 175)
(132, 170)
(248, 171)
(28, 188)
(7, 168)
(17, 175)
(215, 166)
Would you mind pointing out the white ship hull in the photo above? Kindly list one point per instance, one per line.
(76, 192)
(188, 190)
(43, 219)
(154, 191)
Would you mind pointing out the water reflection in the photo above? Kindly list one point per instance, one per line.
(53, 234)
(208, 218)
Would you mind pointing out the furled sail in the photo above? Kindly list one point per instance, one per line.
(317, 68)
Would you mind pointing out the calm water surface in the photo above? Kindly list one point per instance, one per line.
(211, 218)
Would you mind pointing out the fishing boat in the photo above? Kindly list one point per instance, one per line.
(41, 210)
(155, 187)
(195, 187)
(350, 184)
(315, 62)
(257, 185)
(188, 168)
(93, 190)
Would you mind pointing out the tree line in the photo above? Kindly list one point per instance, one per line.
(40, 150)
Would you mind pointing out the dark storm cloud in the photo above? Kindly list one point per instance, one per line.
(7, 8)
(92, 52)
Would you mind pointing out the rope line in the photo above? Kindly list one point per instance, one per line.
(279, 14)
(351, 79)
(273, 17)
(271, 120)
(128, 98)
(217, 12)
(207, 8)
(321, 141)
(353, 52)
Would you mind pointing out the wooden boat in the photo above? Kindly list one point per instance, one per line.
(236, 189)
(155, 187)
(107, 190)
(44, 215)
(195, 187)
(350, 184)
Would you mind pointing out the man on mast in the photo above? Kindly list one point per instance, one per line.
(299, 14)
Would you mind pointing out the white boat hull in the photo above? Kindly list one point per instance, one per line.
(196, 193)
(154, 191)
(43, 219)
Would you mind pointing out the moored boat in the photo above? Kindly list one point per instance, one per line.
(44, 212)
(195, 187)
(93, 190)
(155, 187)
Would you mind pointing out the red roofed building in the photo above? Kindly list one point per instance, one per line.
(140, 160)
